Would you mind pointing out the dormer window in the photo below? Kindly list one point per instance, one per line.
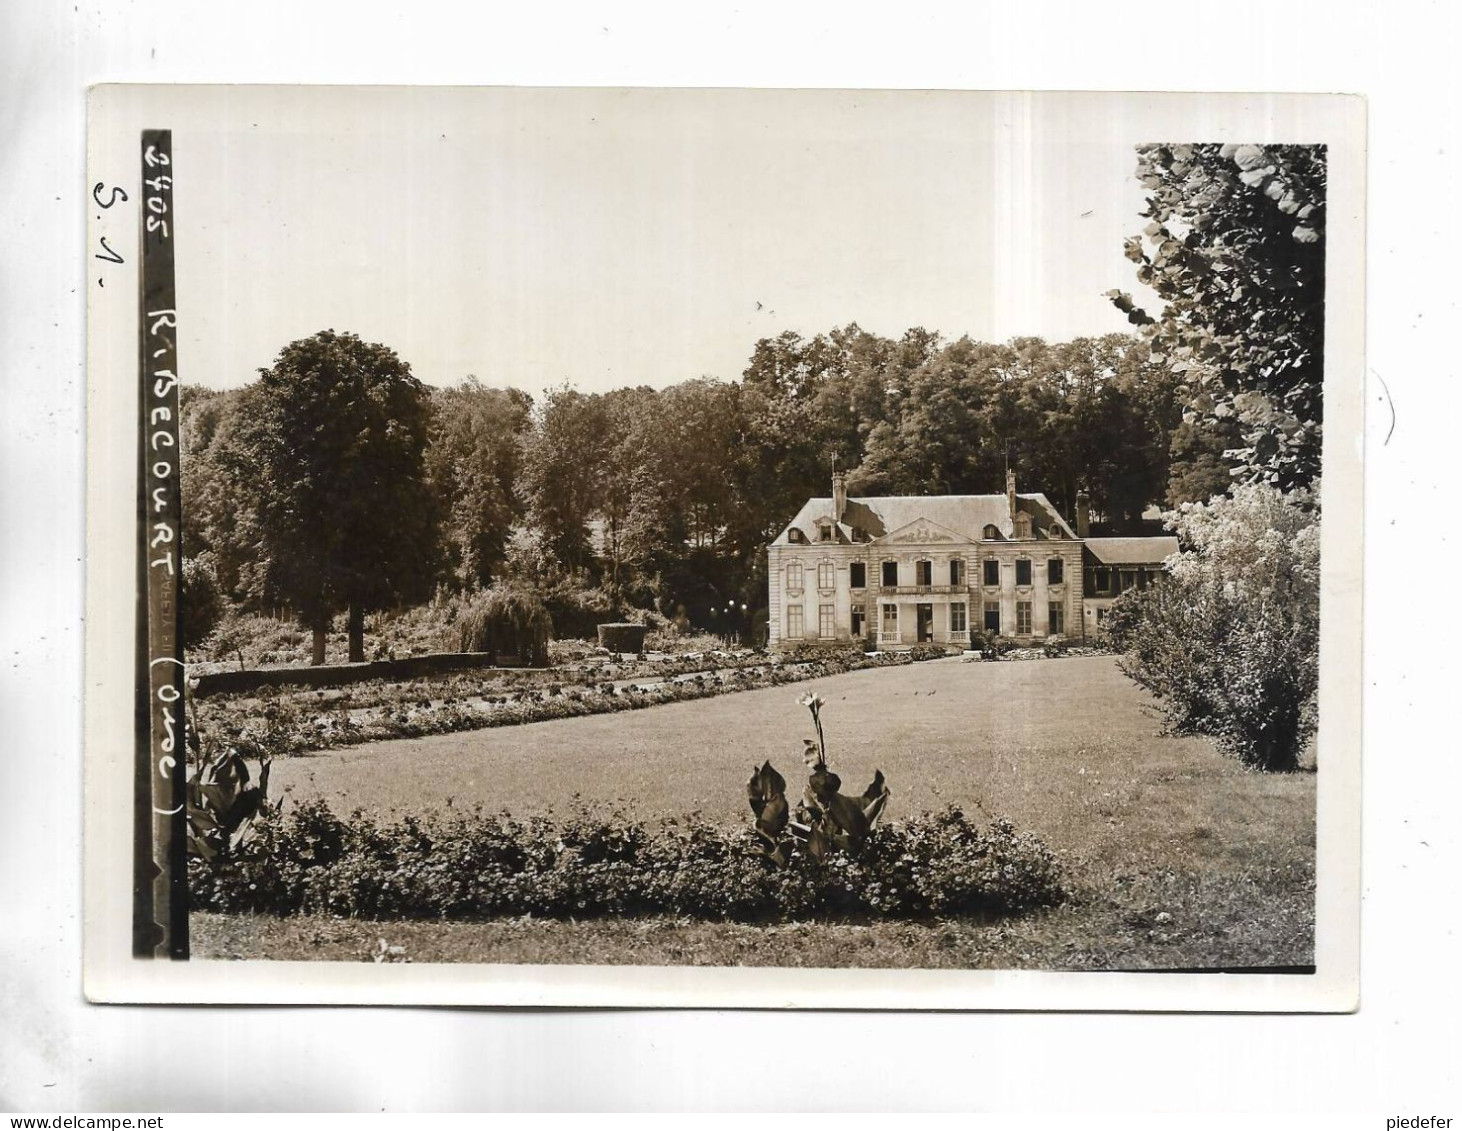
(1022, 525)
(992, 532)
(825, 531)
(795, 536)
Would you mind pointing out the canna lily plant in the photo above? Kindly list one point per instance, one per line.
(826, 819)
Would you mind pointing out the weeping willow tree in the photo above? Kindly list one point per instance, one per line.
(506, 622)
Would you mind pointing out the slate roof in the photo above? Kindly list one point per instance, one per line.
(1132, 551)
(967, 515)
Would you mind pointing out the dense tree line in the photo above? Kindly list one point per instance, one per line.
(337, 482)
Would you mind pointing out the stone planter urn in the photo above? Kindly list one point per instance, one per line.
(622, 637)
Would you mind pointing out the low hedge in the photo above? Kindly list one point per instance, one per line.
(309, 861)
(623, 637)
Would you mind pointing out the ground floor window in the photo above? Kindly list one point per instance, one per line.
(1022, 618)
(826, 620)
(795, 627)
(858, 621)
(992, 617)
(957, 621)
(1058, 618)
(890, 620)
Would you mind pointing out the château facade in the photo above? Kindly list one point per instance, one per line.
(913, 569)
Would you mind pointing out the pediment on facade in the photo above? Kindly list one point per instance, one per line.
(920, 532)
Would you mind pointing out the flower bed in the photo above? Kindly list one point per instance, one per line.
(476, 867)
(294, 722)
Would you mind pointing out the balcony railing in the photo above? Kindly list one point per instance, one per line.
(920, 590)
(899, 639)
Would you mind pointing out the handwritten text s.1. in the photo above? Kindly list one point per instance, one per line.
(114, 196)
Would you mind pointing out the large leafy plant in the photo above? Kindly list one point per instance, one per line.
(224, 797)
(827, 820)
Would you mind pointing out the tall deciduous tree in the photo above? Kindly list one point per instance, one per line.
(1236, 251)
(337, 430)
(218, 516)
(473, 464)
(563, 467)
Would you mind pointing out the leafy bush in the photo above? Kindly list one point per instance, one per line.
(223, 797)
(479, 867)
(253, 640)
(577, 611)
(202, 601)
(1229, 642)
(505, 622)
(994, 647)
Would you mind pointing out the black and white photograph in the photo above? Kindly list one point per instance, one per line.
(736, 547)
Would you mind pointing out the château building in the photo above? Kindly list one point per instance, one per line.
(911, 569)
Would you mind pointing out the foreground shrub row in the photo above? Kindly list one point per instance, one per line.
(309, 861)
(294, 724)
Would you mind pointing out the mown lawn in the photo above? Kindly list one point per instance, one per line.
(1175, 856)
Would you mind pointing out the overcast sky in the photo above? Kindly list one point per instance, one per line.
(607, 238)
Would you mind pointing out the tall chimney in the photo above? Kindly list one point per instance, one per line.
(840, 494)
(1010, 493)
(1083, 513)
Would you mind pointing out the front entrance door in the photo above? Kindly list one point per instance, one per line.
(926, 623)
